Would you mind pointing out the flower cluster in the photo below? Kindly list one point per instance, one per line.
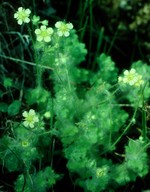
(132, 78)
(63, 29)
(30, 118)
(44, 33)
(22, 15)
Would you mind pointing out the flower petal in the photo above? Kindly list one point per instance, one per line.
(47, 39)
(25, 114)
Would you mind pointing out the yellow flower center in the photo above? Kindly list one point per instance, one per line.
(44, 33)
(29, 118)
(22, 15)
(130, 77)
(63, 28)
(25, 143)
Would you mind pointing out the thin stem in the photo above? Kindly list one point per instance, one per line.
(69, 86)
(68, 8)
(99, 43)
(82, 10)
(91, 30)
(144, 126)
(113, 40)
(26, 62)
(38, 58)
(127, 127)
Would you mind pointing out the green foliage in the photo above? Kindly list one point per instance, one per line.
(137, 95)
(18, 153)
(79, 108)
(108, 71)
(7, 82)
(14, 107)
(9, 158)
(38, 182)
(3, 107)
(135, 162)
(136, 151)
(37, 96)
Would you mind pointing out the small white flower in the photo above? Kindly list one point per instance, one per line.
(132, 78)
(129, 77)
(30, 118)
(44, 34)
(22, 15)
(63, 29)
(139, 81)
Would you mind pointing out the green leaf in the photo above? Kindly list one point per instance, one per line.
(14, 107)
(1, 93)
(8, 82)
(37, 95)
(136, 157)
(42, 181)
(3, 107)
(108, 70)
